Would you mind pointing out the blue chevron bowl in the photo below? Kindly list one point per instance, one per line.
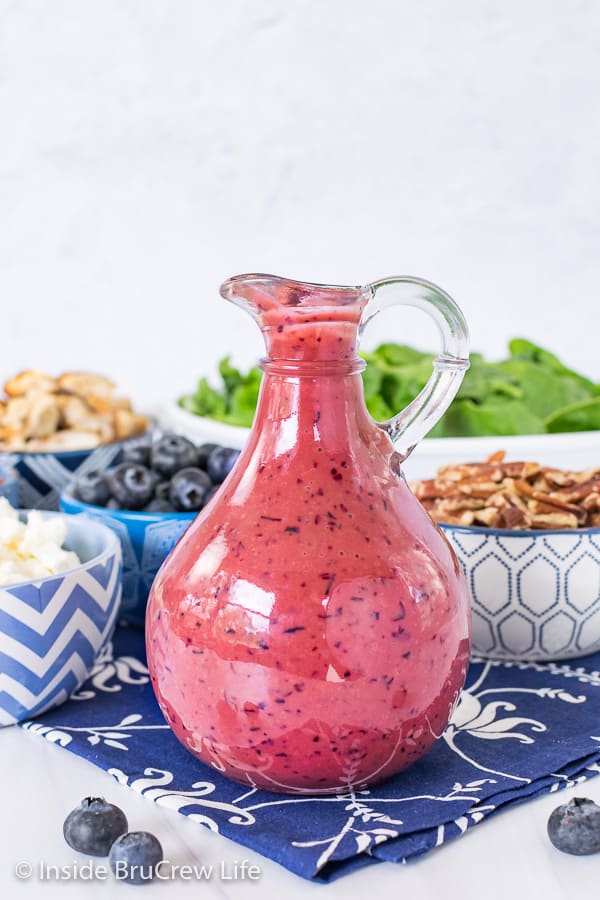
(146, 541)
(42, 476)
(9, 484)
(52, 629)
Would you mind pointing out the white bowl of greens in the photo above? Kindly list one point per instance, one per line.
(529, 404)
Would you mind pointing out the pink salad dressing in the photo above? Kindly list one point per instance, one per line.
(310, 631)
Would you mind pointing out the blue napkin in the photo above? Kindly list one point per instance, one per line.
(519, 730)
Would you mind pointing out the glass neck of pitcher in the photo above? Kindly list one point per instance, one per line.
(311, 403)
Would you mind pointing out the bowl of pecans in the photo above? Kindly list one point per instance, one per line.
(528, 539)
(55, 428)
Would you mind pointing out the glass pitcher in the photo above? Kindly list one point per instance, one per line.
(310, 632)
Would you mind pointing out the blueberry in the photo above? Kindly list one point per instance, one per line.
(575, 827)
(189, 488)
(131, 485)
(137, 452)
(159, 506)
(94, 826)
(113, 504)
(161, 491)
(220, 463)
(92, 488)
(204, 451)
(172, 453)
(134, 857)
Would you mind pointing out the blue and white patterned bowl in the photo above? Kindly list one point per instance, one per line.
(535, 594)
(9, 484)
(42, 476)
(52, 629)
(146, 541)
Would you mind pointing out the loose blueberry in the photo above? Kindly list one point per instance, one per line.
(172, 453)
(204, 451)
(134, 857)
(189, 488)
(113, 504)
(575, 827)
(92, 488)
(94, 826)
(131, 485)
(137, 452)
(220, 463)
(159, 506)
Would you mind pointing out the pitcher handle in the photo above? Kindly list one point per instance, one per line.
(410, 425)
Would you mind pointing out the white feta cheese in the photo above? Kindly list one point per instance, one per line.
(33, 549)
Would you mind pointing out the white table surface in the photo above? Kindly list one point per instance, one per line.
(507, 856)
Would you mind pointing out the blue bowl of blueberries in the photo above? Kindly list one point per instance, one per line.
(149, 499)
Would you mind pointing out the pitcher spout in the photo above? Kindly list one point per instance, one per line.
(301, 320)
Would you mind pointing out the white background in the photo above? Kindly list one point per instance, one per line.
(150, 149)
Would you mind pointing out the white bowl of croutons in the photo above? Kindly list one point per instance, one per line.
(54, 429)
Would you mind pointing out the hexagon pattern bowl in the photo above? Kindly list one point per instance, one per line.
(52, 629)
(535, 594)
(146, 541)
